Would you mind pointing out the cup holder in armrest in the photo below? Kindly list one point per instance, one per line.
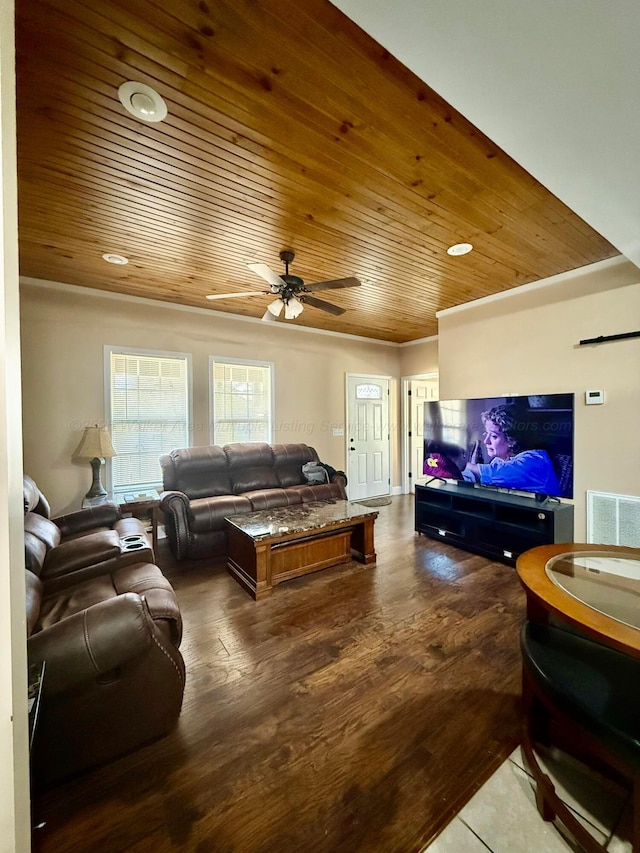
(133, 543)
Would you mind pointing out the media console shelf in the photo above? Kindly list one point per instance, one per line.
(499, 525)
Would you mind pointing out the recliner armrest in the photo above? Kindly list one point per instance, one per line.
(104, 515)
(177, 509)
(92, 642)
(75, 554)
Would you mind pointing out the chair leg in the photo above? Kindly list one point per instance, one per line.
(551, 807)
(545, 809)
(544, 789)
(635, 838)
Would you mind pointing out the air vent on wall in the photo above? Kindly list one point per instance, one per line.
(613, 519)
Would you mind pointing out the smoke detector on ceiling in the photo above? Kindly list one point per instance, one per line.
(142, 101)
(112, 258)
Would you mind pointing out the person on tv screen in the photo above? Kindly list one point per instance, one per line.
(509, 466)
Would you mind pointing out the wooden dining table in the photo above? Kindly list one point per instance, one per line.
(593, 588)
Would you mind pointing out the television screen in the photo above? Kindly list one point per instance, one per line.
(523, 442)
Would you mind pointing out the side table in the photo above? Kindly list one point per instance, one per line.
(145, 506)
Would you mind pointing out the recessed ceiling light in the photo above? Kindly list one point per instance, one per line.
(142, 101)
(110, 258)
(459, 249)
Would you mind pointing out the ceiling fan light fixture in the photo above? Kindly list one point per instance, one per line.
(293, 308)
(275, 307)
(142, 101)
(460, 249)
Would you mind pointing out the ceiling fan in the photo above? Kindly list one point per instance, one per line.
(290, 291)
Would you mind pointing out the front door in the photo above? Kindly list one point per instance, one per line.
(368, 453)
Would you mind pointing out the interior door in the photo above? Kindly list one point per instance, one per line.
(419, 391)
(368, 452)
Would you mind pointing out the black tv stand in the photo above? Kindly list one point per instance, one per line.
(498, 525)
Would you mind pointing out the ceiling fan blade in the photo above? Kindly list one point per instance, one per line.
(235, 295)
(334, 284)
(267, 274)
(324, 306)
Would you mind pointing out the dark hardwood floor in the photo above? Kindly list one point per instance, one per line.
(356, 709)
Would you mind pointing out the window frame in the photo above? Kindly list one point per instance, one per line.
(109, 350)
(246, 363)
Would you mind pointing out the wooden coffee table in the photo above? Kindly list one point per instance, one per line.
(276, 545)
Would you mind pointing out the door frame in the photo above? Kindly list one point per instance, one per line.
(368, 377)
(404, 445)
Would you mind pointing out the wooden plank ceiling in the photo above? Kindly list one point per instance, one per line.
(288, 128)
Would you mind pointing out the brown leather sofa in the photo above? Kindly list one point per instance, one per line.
(79, 545)
(106, 624)
(204, 485)
(114, 676)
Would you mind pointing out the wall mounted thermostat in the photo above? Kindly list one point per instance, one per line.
(594, 398)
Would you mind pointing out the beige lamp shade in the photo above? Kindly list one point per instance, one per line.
(96, 443)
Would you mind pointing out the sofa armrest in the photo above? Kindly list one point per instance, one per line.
(340, 478)
(82, 520)
(178, 517)
(92, 642)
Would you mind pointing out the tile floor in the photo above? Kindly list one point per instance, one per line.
(502, 816)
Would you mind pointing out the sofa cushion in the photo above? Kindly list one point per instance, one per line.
(248, 454)
(198, 472)
(145, 579)
(40, 536)
(33, 600)
(209, 513)
(35, 552)
(250, 467)
(46, 531)
(79, 522)
(319, 492)
(288, 460)
(270, 498)
(251, 479)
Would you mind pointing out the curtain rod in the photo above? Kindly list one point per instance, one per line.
(604, 338)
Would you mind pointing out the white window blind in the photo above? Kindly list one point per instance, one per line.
(149, 400)
(241, 402)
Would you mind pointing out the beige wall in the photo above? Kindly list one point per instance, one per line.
(419, 358)
(64, 331)
(527, 343)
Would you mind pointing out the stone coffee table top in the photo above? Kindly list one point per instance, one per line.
(297, 519)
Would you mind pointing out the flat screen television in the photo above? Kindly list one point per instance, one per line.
(519, 442)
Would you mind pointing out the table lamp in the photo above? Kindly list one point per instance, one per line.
(96, 446)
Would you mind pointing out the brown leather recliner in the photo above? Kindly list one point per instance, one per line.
(114, 676)
(106, 624)
(82, 544)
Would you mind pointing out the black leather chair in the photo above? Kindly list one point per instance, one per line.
(584, 698)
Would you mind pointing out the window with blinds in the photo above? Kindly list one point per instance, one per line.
(241, 401)
(149, 414)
